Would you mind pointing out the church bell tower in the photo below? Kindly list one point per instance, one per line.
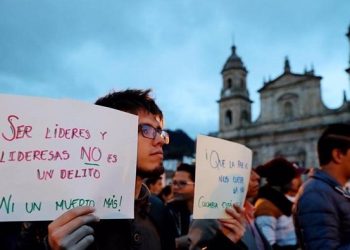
(234, 103)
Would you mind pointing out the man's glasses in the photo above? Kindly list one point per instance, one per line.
(151, 132)
(181, 184)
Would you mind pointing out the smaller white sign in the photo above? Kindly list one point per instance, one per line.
(222, 176)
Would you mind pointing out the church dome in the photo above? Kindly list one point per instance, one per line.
(233, 62)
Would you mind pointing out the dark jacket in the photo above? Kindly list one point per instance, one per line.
(9, 234)
(322, 214)
(152, 228)
(33, 235)
(221, 242)
(181, 216)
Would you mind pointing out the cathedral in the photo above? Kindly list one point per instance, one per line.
(292, 114)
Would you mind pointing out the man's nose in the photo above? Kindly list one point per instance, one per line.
(159, 139)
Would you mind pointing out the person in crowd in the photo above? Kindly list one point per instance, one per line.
(273, 210)
(204, 233)
(295, 184)
(154, 184)
(181, 207)
(253, 237)
(151, 228)
(321, 211)
(166, 194)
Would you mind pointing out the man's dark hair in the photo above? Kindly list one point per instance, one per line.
(166, 190)
(152, 180)
(335, 136)
(189, 169)
(131, 101)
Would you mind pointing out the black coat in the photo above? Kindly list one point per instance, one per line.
(152, 228)
(180, 215)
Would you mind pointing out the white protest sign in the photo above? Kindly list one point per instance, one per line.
(56, 155)
(222, 176)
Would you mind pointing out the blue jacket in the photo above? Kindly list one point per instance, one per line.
(322, 214)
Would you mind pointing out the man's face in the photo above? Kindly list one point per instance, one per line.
(183, 186)
(149, 151)
(253, 186)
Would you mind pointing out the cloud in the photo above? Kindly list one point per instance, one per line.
(82, 49)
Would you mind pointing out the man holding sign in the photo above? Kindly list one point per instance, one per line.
(79, 228)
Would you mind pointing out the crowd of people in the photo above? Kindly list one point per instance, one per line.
(279, 212)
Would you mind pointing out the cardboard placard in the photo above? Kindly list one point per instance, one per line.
(58, 154)
(222, 176)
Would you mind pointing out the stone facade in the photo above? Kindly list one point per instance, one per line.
(292, 113)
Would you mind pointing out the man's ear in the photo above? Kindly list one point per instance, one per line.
(337, 155)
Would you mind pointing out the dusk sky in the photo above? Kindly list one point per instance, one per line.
(83, 49)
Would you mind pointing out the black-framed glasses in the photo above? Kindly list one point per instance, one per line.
(181, 183)
(151, 132)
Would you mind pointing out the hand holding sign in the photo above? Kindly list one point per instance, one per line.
(71, 229)
(233, 227)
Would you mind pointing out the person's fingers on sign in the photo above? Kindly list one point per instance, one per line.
(233, 227)
(71, 229)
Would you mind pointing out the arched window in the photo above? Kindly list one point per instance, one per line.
(229, 83)
(288, 110)
(228, 118)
